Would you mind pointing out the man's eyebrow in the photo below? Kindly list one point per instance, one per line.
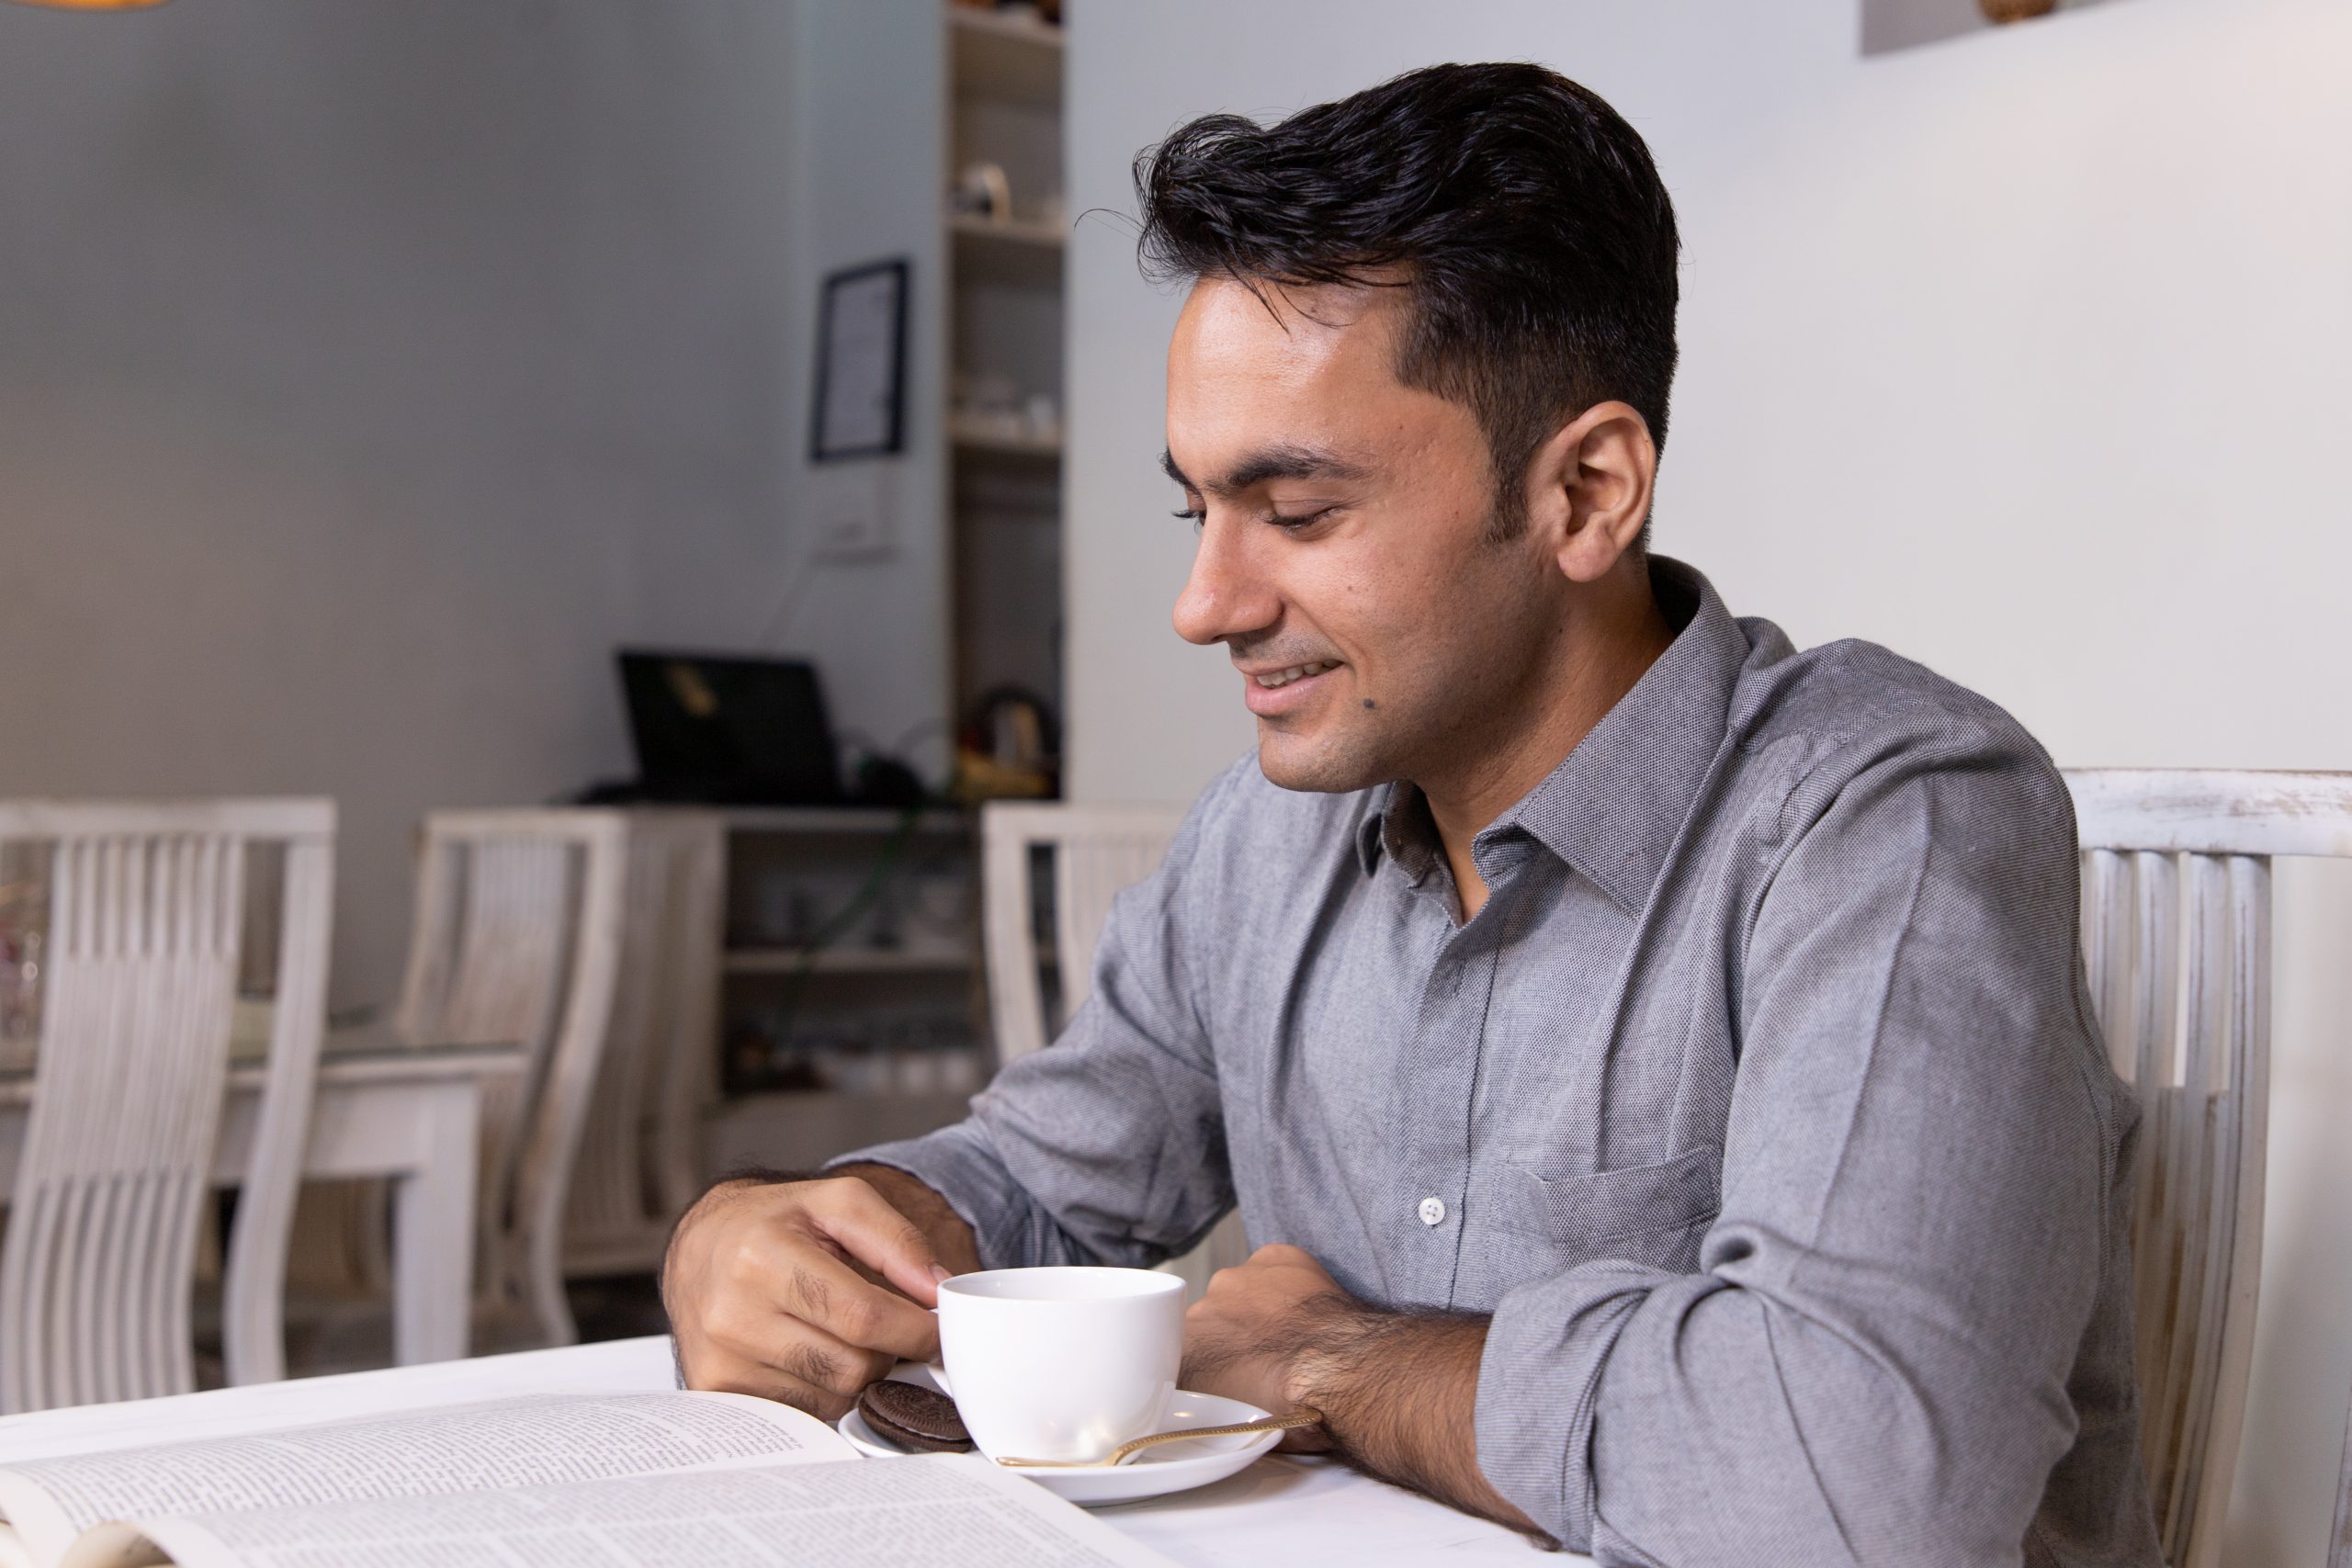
(1268, 463)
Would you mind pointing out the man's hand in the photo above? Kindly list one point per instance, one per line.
(1398, 1392)
(805, 1291)
(1247, 1337)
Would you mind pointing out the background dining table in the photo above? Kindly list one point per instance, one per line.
(408, 1114)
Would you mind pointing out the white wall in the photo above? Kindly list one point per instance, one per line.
(2023, 353)
(868, 90)
(367, 371)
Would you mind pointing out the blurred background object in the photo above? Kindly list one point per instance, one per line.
(1904, 24)
(2015, 10)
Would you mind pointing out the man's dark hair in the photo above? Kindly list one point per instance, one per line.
(1522, 213)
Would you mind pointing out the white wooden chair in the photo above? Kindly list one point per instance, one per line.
(147, 907)
(1096, 851)
(640, 1164)
(2177, 941)
(517, 937)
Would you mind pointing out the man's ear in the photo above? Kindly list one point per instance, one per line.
(1589, 490)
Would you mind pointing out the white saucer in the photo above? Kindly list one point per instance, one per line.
(1158, 1471)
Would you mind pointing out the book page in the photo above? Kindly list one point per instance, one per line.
(878, 1513)
(508, 1442)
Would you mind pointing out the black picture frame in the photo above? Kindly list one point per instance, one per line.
(860, 407)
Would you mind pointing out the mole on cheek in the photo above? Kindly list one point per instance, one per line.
(1370, 704)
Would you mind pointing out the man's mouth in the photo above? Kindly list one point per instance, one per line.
(1289, 691)
(1295, 672)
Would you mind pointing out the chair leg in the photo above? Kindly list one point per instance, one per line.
(550, 1303)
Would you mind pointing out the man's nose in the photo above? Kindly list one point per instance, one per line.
(1226, 596)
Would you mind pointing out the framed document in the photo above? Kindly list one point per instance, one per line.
(861, 363)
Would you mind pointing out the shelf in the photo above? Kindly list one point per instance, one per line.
(847, 961)
(1026, 256)
(1000, 54)
(1009, 232)
(971, 435)
(821, 819)
(800, 1129)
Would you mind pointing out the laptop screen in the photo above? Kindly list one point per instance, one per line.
(720, 730)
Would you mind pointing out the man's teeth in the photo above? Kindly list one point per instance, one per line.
(1296, 673)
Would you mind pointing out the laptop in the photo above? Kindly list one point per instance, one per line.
(715, 730)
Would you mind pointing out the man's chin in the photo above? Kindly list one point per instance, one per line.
(1313, 764)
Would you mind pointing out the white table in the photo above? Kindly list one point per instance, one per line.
(1282, 1509)
(410, 1114)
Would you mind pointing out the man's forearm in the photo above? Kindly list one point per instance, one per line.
(1399, 1396)
(952, 1241)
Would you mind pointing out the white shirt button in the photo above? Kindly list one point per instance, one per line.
(1433, 1211)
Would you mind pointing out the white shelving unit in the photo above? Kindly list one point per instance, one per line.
(907, 968)
(972, 436)
(764, 1129)
(1004, 300)
(1010, 55)
(1014, 253)
(846, 960)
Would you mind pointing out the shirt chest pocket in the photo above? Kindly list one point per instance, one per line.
(1650, 1215)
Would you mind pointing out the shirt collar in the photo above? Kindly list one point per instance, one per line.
(1615, 805)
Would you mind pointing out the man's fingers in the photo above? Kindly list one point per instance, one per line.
(862, 1222)
(767, 1383)
(823, 1291)
(1306, 1440)
(832, 1366)
(800, 1365)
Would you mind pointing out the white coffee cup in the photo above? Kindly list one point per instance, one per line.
(1060, 1363)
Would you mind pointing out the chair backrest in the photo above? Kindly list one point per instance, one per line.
(517, 939)
(1096, 851)
(147, 904)
(2176, 944)
(638, 1168)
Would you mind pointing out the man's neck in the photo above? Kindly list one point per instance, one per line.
(1596, 670)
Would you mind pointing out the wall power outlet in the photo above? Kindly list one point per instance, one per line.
(854, 506)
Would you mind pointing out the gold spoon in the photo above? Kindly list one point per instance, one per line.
(1302, 1417)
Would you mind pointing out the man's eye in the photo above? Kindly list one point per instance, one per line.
(1304, 520)
(1195, 517)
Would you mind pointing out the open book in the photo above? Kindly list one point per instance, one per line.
(584, 1480)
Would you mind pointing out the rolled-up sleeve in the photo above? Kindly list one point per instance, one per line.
(1108, 1146)
(1871, 1364)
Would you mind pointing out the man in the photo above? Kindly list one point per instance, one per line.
(1656, 1057)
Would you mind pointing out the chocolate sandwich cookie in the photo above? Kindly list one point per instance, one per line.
(915, 1417)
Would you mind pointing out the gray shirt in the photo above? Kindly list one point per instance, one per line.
(1761, 1105)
